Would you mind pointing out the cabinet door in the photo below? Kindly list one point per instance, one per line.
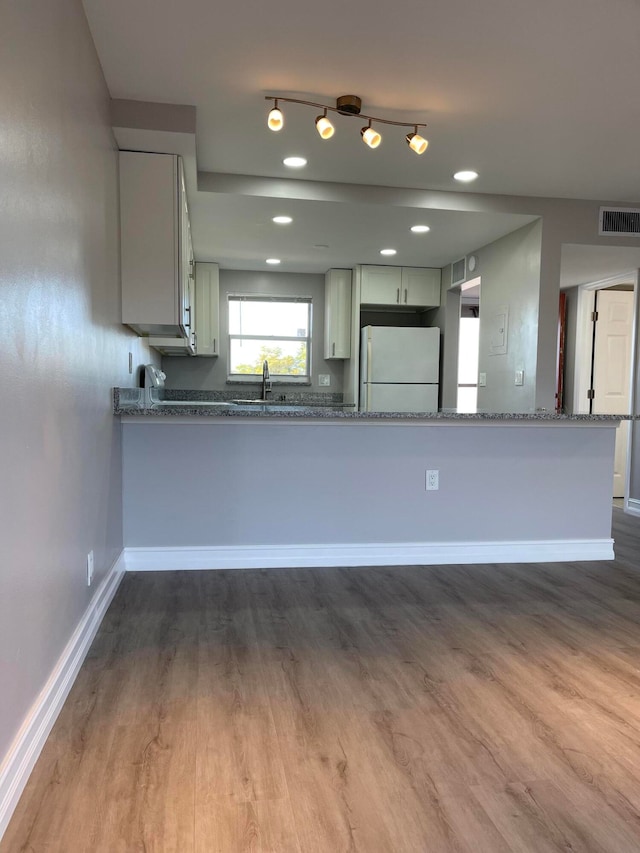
(380, 285)
(420, 287)
(186, 256)
(337, 314)
(207, 309)
(149, 242)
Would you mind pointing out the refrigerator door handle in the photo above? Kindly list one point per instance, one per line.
(398, 295)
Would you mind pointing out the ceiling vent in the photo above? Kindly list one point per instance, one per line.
(458, 271)
(619, 222)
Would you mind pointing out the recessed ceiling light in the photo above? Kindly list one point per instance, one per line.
(294, 162)
(273, 261)
(388, 252)
(420, 229)
(282, 220)
(466, 176)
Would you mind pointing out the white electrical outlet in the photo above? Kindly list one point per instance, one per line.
(89, 568)
(432, 481)
(324, 379)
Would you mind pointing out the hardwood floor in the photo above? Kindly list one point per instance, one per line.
(457, 708)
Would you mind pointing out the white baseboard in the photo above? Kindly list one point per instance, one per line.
(383, 554)
(27, 745)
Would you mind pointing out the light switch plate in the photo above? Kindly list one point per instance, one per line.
(324, 379)
(519, 377)
(482, 379)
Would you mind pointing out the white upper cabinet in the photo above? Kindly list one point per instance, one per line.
(337, 314)
(156, 252)
(207, 309)
(380, 285)
(420, 287)
(415, 287)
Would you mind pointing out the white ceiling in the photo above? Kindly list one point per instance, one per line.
(540, 98)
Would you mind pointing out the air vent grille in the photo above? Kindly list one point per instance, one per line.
(459, 271)
(619, 221)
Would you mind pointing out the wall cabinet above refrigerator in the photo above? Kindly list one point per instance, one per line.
(411, 287)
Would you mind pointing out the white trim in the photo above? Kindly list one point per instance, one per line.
(383, 554)
(584, 334)
(27, 745)
(632, 506)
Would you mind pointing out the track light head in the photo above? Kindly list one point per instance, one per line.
(275, 121)
(416, 142)
(349, 106)
(370, 136)
(324, 126)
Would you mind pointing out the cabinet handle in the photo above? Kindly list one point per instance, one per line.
(398, 295)
(214, 344)
(405, 296)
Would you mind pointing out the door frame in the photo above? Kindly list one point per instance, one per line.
(583, 353)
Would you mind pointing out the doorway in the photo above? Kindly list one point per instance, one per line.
(604, 348)
(468, 347)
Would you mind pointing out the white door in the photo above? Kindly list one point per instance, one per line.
(611, 370)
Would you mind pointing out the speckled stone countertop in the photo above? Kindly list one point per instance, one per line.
(129, 402)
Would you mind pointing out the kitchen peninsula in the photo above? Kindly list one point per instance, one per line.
(246, 486)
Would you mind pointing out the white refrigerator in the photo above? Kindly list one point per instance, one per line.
(399, 369)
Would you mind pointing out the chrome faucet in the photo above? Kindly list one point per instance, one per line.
(266, 380)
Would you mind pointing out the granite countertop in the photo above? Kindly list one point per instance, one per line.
(129, 402)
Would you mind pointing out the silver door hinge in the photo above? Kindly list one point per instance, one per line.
(591, 394)
(594, 316)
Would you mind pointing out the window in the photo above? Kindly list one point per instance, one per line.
(272, 328)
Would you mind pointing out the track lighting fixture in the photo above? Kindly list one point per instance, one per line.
(276, 119)
(370, 136)
(324, 126)
(416, 142)
(347, 105)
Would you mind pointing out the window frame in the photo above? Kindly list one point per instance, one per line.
(276, 379)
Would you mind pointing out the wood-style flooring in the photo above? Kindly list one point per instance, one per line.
(474, 708)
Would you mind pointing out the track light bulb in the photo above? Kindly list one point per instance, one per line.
(416, 142)
(324, 126)
(276, 119)
(370, 136)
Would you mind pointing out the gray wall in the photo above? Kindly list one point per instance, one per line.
(211, 373)
(510, 273)
(292, 483)
(63, 347)
(509, 270)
